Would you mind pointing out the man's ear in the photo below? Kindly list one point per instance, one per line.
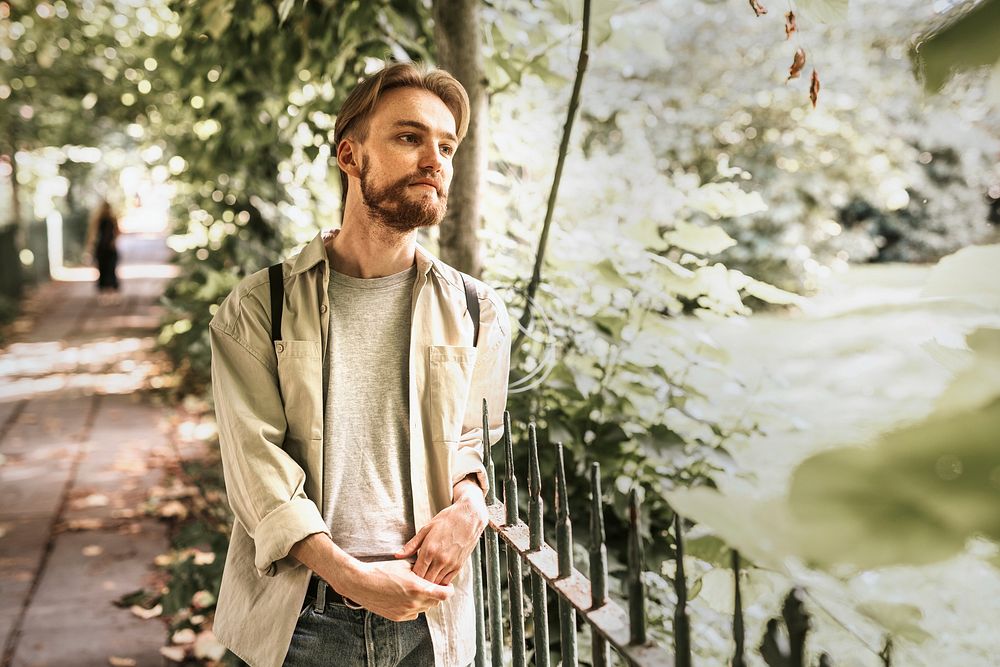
(347, 159)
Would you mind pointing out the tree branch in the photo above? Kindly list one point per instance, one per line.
(574, 101)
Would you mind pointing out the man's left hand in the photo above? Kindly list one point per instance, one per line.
(443, 545)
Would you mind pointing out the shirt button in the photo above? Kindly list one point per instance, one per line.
(322, 308)
(279, 347)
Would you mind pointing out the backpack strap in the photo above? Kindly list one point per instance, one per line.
(277, 281)
(472, 302)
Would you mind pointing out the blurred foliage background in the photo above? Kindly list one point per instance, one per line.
(701, 184)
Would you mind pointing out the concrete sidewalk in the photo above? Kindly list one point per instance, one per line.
(81, 443)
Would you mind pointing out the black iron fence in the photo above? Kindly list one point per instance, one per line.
(613, 628)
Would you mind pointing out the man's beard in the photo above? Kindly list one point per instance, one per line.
(393, 207)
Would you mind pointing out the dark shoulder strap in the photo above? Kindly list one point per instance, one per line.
(472, 301)
(277, 299)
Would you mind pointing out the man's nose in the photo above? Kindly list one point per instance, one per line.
(430, 159)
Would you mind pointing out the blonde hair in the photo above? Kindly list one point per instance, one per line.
(355, 114)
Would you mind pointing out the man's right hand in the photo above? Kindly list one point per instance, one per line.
(390, 589)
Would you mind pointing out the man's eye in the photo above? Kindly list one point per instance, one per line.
(408, 137)
(448, 150)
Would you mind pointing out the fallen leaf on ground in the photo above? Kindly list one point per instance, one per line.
(208, 647)
(116, 661)
(92, 550)
(204, 557)
(175, 653)
(146, 614)
(185, 636)
(91, 500)
(202, 599)
(84, 524)
(173, 508)
(131, 528)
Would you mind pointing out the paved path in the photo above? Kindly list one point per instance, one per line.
(81, 443)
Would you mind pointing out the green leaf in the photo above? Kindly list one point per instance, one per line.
(759, 529)
(770, 293)
(609, 274)
(218, 15)
(700, 240)
(971, 274)
(915, 497)
(902, 620)
(968, 40)
(659, 440)
(284, 9)
(262, 19)
(823, 11)
(979, 382)
(725, 200)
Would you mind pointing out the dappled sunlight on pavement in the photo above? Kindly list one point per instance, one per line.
(83, 445)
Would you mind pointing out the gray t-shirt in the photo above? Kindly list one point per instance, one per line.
(366, 434)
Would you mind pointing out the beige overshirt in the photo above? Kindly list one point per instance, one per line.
(269, 406)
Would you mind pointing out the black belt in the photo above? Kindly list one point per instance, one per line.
(321, 594)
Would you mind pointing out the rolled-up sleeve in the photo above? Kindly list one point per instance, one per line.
(264, 485)
(489, 381)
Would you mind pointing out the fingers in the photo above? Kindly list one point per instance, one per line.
(448, 577)
(422, 565)
(411, 547)
(441, 593)
(434, 572)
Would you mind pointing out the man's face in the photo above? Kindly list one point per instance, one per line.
(405, 162)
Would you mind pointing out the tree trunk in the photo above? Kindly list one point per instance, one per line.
(17, 208)
(456, 34)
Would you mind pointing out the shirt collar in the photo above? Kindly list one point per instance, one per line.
(315, 252)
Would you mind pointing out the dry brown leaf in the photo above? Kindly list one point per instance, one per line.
(174, 653)
(185, 636)
(116, 661)
(204, 557)
(202, 599)
(789, 24)
(208, 647)
(814, 88)
(146, 614)
(94, 500)
(172, 509)
(84, 524)
(798, 62)
(758, 9)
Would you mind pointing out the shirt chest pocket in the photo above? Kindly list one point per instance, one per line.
(300, 378)
(450, 379)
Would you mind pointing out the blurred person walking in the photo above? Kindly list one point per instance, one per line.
(102, 236)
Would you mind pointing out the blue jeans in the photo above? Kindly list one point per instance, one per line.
(339, 635)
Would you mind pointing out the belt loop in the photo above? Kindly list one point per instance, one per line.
(321, 596)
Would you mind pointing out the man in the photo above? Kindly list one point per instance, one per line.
(352, 445)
